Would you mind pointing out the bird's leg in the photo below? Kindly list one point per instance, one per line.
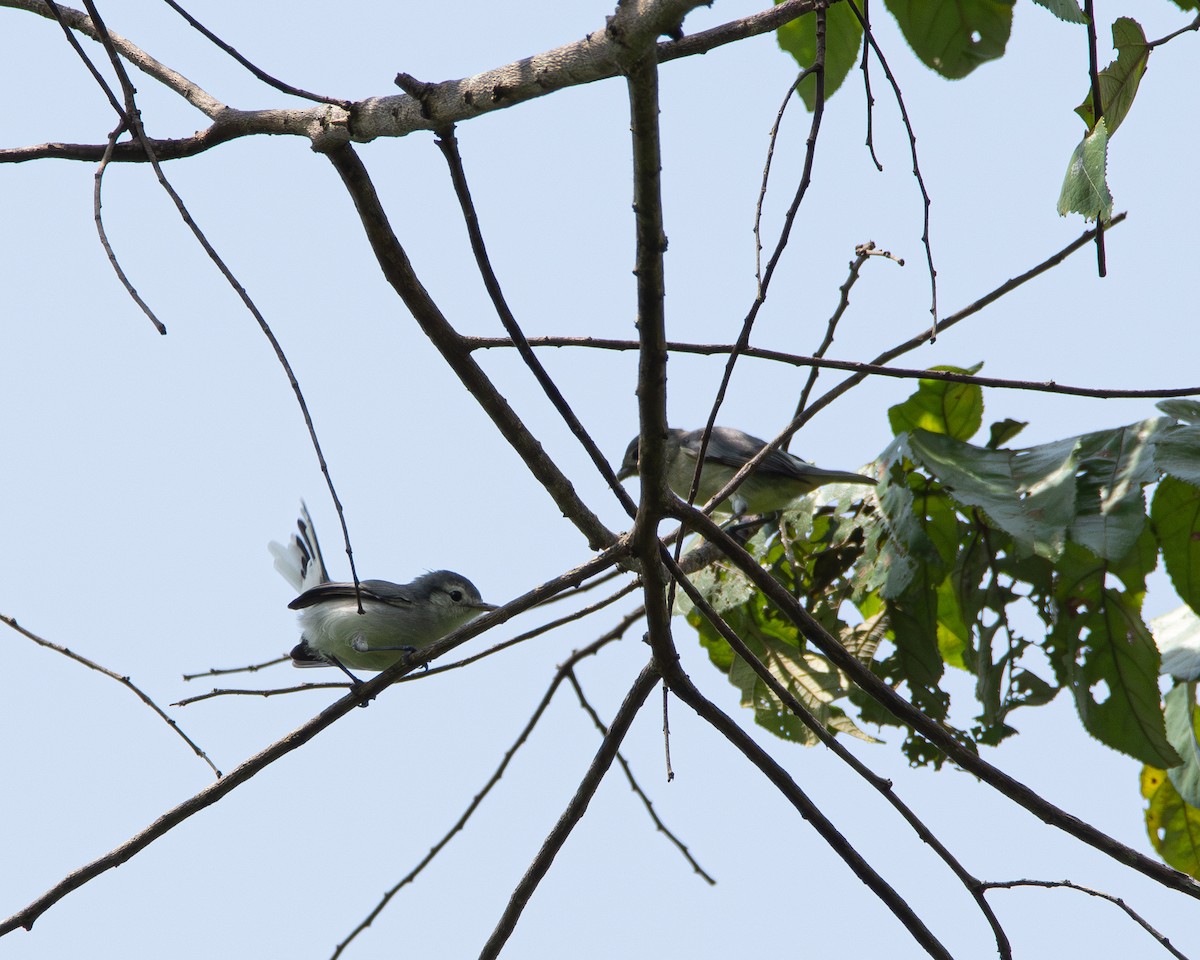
(355, 683)
(362, 646)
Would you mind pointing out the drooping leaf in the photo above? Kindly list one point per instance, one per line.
(1067, 10)
(1000, 433)
(1085, 187)
(1175, 512)
(1172, 824)
(1029, 494)
(1112, 466)
(843, 38)
(940, 406)
(1177, 635)
(1181, 719)
(1177, 452)
(954, 37)
(1104, 652)
(1119, 80)
(1181, 409)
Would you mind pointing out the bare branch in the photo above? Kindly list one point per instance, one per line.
(398, 270)
(124, 681)
(222, 671)
(905, 712)
(559, 675)
(573, 813)
(635, 787)
(1130, 912)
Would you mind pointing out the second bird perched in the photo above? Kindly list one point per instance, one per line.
(397, 618)
(779, 479)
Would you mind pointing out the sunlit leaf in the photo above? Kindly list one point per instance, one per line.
(1175, 511)
(941, 406)
(1172, 824)
(1085, 187)
(954, 37)
(1067, 10)
(843, 38)
(1119, 80)
(1177, 635)
(1177, 452)
(1181, 732)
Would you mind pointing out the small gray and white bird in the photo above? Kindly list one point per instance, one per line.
(397, 618)
(779, 479)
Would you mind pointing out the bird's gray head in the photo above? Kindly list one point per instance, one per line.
(629, 464)
(444, 588)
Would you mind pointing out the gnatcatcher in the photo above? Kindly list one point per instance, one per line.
(779, 479)
(397, 618)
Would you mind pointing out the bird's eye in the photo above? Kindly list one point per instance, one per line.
(456, 596)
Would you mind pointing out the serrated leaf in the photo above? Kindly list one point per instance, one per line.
(1029, 494)
(940, 406)
(1181, 732)
(1106, 655)
(1172, 824)
(1175, 512)
(1085, 187)
(1177, 452)
(1112, 466)
(1177, 635)
(1067, 10)
(1186, 410)
(954, 37)
(1119, 80)
(843, 38)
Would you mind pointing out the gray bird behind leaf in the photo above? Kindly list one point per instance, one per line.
(778, 480)
(397, 618)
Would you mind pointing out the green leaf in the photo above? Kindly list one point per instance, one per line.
(843, 37)
(1181, 719)
(1186, 410)
(1173, 825)
(1029, 494)
(1177, 635)
(954, 37)
(1064, 9)
(1112, 466)
(1002, 432)
(1119, 80)
(1103, 651)
(941, 406)
(1177, 452)
(1085, 187)
(1175, 512)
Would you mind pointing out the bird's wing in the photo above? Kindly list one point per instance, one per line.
(381, 591)
(300, 562)
(733, 448)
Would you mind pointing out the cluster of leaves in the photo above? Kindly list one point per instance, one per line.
(953, 37)
(1025, 568)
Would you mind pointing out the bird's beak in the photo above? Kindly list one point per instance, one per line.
(485, 607)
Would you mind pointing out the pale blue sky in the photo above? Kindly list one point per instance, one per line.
(143, 477)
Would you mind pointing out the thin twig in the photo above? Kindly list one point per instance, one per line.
(257, 71)
(132, 117)
(361, 694)
(590, 650)
(270, 692)
(1130, 912)
(1097, 116)
(772, 137)
(635, 786)
(912, 145)
(573, 813)
(870, 98)
(904, 711)
(398, 271)
(123, 680)
(863, 252)
(448, 144)
(880, 784)
(222, 671)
